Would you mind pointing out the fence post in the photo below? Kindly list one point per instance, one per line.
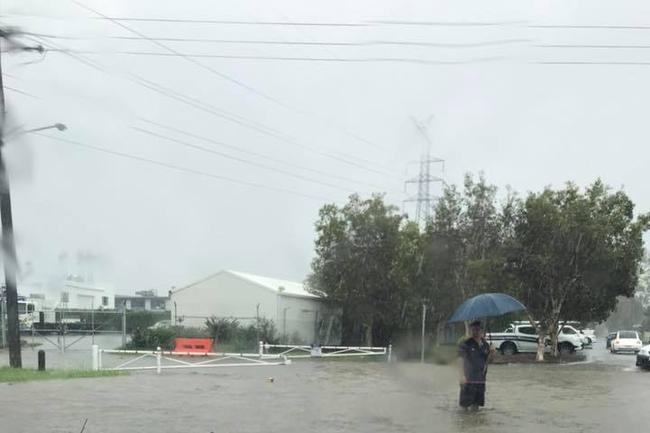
(261, 349)
(158, 359)
(99, 358)
(124, 325)
(41, 360)
(95, 351)
(389, 358)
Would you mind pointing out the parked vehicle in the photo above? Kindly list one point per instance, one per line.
(626, 341)
(589, 335)
(163, 324)
(643, 357)
(570, 330)
(521, 337)
(610, 337)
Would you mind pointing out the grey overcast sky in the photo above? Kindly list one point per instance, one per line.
(321, 129)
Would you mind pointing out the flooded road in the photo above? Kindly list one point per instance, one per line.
(76, 355)
(604, 394)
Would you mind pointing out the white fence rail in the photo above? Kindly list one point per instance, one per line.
(304, 351)
(166, 359)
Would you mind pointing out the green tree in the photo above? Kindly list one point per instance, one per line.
(463, 247)
(573, 253)
(357, 256)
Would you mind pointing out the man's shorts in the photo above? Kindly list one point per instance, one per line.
(472, 394)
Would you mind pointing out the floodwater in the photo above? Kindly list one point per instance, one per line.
(76, 354)
(604, 394)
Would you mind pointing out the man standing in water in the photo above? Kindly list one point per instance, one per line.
(474, 354)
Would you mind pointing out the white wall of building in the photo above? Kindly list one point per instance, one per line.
(84, 297)
(221, 295)
(297, 318)
(228, 294)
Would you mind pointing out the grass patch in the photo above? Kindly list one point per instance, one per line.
(8, 374)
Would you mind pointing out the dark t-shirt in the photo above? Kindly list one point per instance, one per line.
(475, 356)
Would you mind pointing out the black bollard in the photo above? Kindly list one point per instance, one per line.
(41, 360)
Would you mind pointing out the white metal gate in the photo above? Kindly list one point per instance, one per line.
(165, 360)
(304, 351)
(170, 359)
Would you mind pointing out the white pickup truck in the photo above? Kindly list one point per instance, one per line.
(523, 338)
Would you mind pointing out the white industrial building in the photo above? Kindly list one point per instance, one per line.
(297, 314)
(71, 294)
(85, 296)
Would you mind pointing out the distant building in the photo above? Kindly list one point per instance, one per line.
(68, 295)
(298, 315)
(145, 300)
(84, 296)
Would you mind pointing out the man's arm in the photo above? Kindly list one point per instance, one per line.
(461, 365)
(491, 353)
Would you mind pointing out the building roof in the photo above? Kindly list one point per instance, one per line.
(282, 287)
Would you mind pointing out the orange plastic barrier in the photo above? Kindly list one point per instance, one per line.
(193, 345)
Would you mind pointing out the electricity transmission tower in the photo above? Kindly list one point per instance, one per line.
(429, 179)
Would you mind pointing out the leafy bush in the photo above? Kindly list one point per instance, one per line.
(268, 333)
(223, 330)
(227, 330)
(152, 338)
(188, 332)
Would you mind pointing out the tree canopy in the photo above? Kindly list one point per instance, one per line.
(566, 253)
(574, 252)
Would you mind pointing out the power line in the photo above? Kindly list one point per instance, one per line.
(447, 23)
(368, 23)
(257, 154)
(21, 92)
(192, 60)
(242, 41)
(51, 36)
(234, 22)
(200, 105)
(597, 26)
(238, 159)
(479, 44)
(310, 59)
(181, 168)
(189, 59)
(608, 46)
(589, 62)
(334, 44)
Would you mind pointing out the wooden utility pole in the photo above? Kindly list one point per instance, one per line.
(8, 247)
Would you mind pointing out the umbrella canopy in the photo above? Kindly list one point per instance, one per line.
(486, 305)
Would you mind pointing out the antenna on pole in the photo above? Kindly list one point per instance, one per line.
(425, 197)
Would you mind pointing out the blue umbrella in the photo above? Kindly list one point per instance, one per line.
(486, 305)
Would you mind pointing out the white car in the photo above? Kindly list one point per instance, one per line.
(570, 330)
(163, 324)
(589, 335)
(643, 357)
(626, 341)
(521, 337)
